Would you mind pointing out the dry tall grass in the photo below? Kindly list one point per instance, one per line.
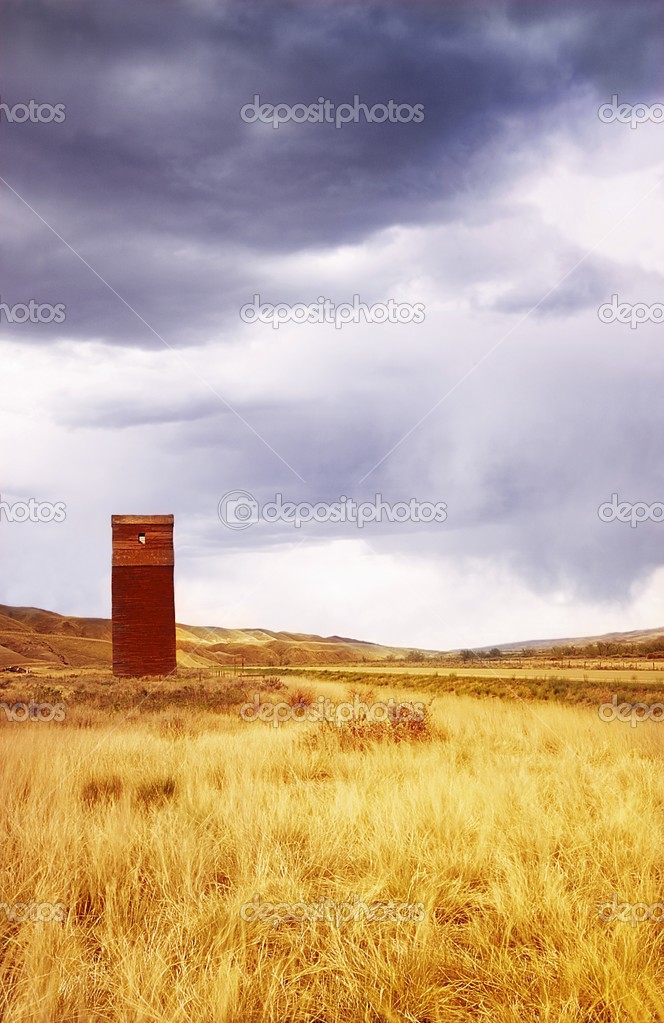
(510, 823)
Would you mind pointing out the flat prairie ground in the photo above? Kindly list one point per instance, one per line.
(641, 672)
(163, 859)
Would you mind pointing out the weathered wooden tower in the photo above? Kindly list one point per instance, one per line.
(143, 595)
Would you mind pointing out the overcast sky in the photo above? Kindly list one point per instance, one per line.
(508, 212)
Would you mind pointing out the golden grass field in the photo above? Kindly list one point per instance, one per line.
(511, 822)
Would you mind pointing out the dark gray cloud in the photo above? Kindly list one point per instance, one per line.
(157, 182)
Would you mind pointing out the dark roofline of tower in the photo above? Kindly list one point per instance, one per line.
(147, 520)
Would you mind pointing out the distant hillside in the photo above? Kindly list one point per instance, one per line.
(636, 636)
(31, 636)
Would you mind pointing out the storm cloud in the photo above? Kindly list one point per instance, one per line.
(153, 213)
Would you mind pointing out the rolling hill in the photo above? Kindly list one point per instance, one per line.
(30, 636)
(636, 636)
